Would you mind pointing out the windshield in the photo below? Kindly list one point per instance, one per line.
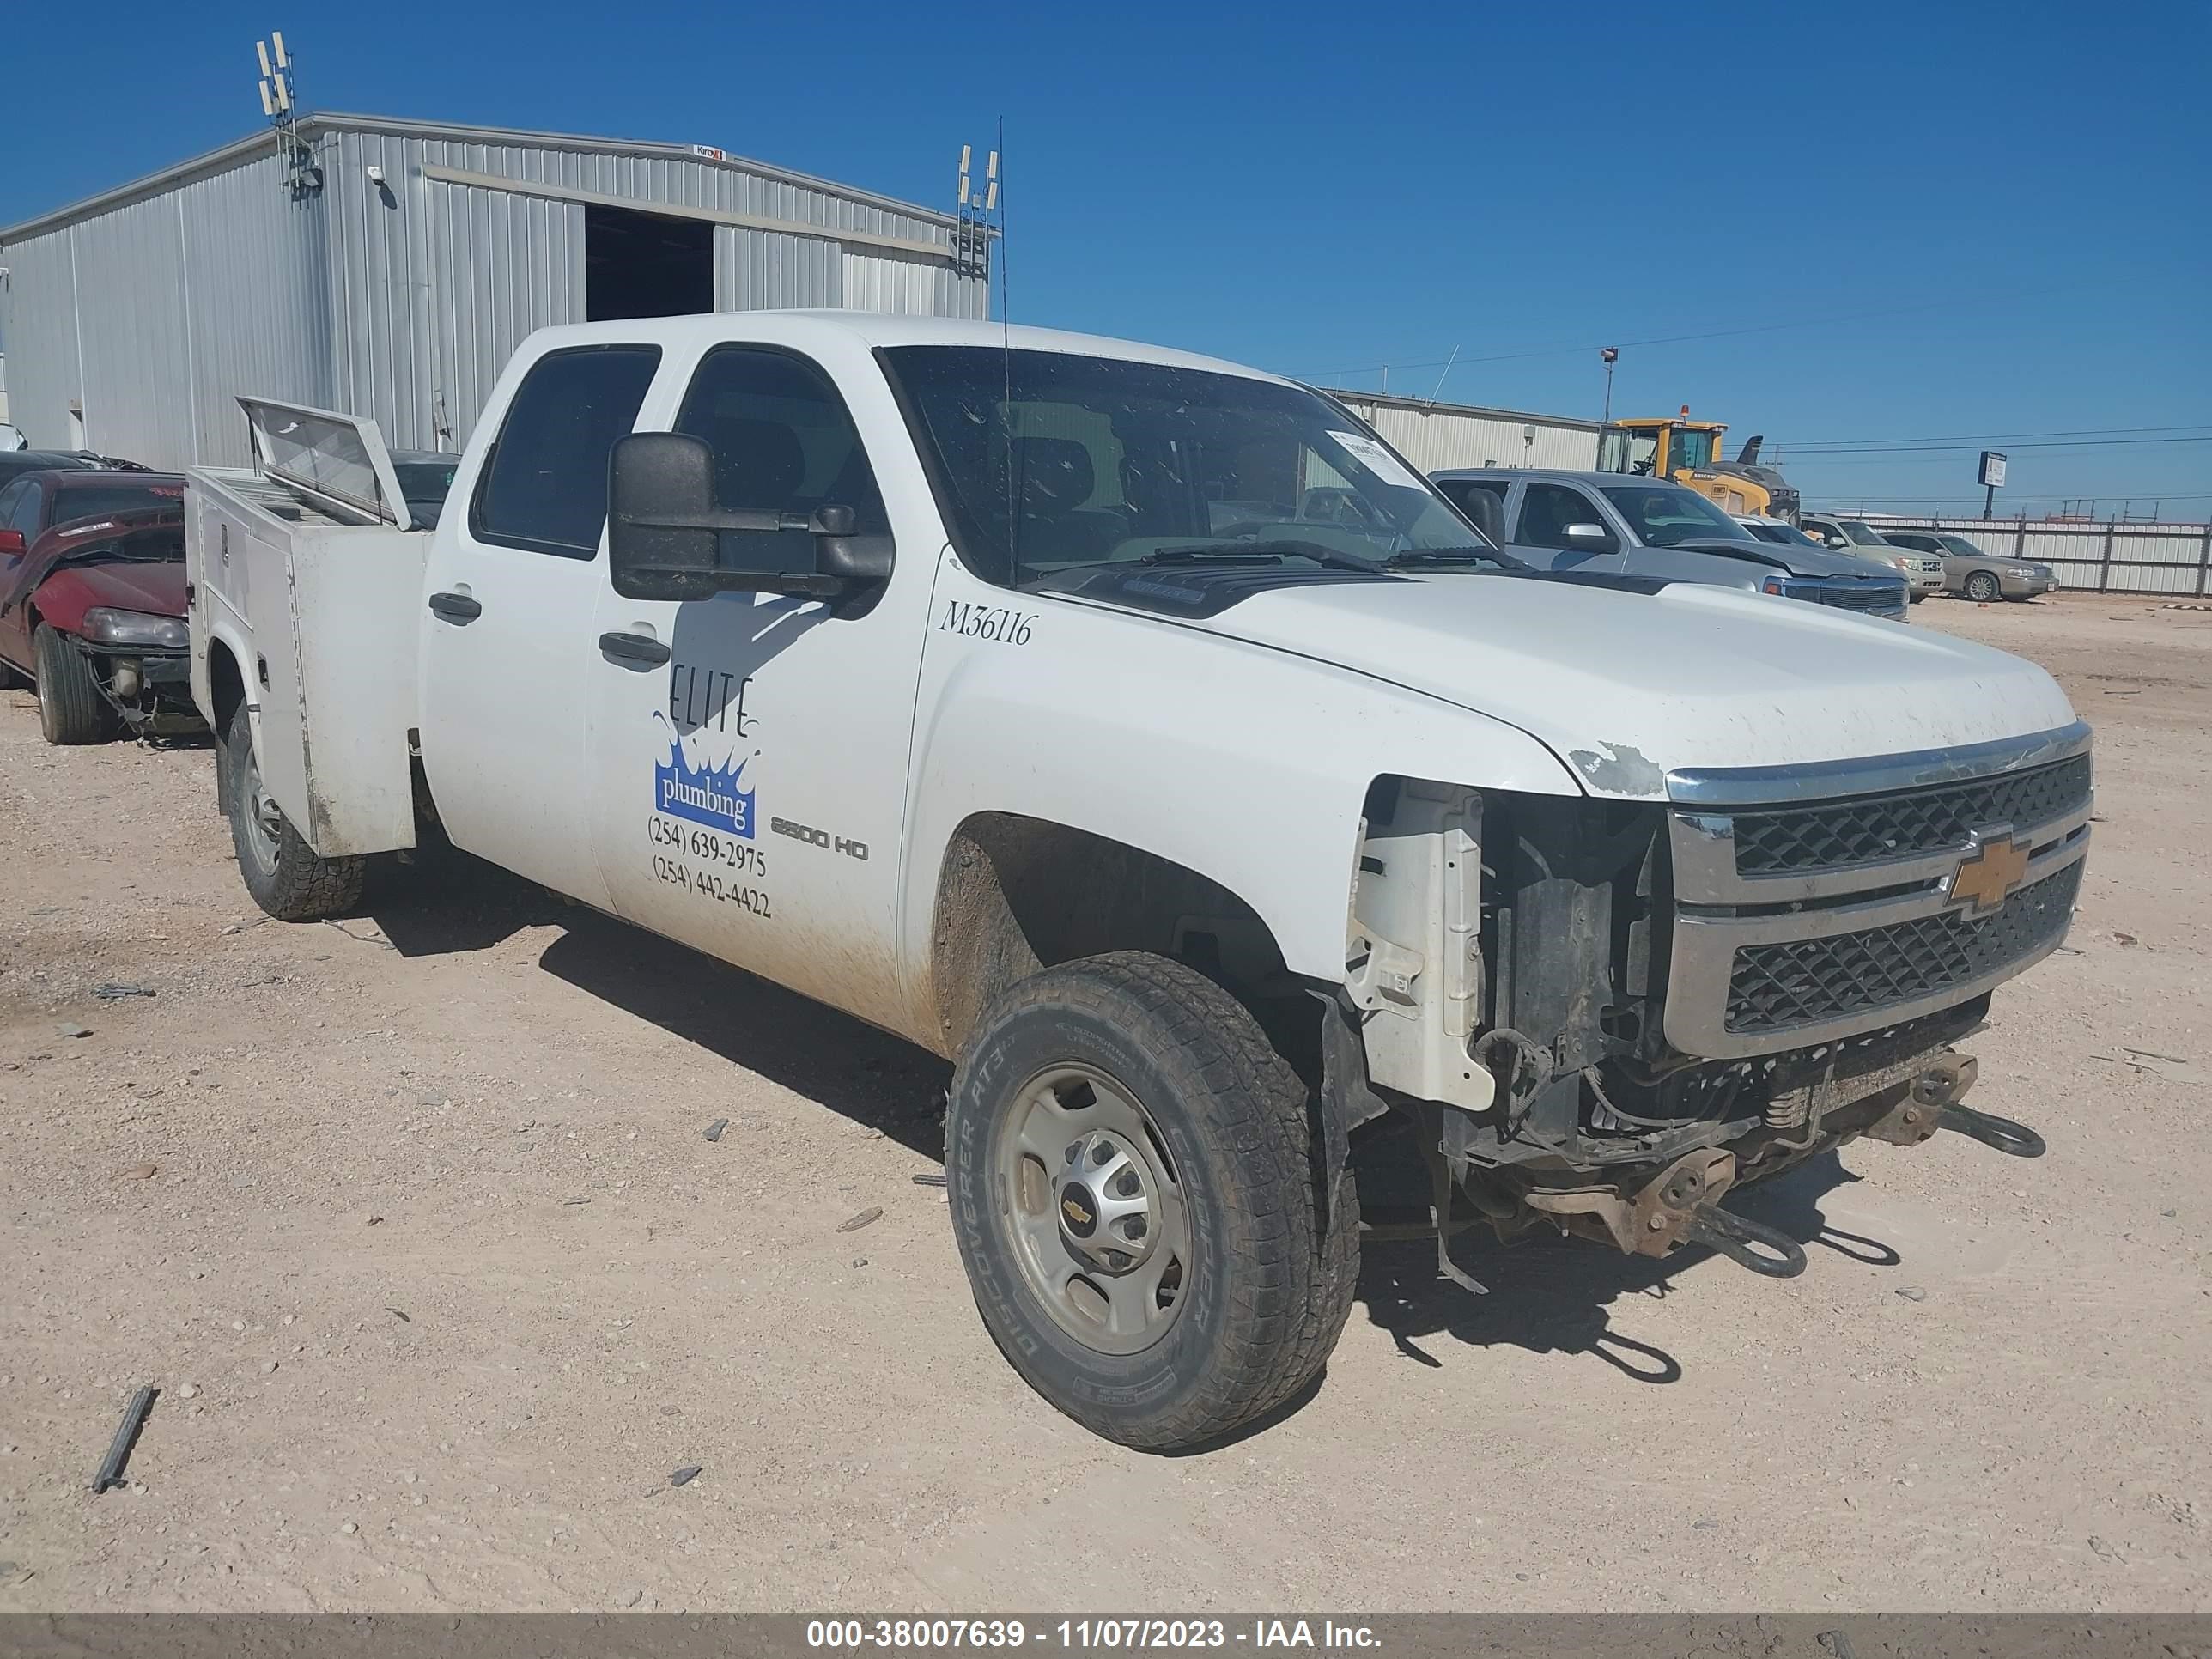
(1691, 448)
(1861, 535)
(159, 544)
(1052, 461)
(425, 481)
(1962, 547)
(98, 500)
(1667, 515)
(1788, 535)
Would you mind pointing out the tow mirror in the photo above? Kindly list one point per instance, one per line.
(668, 537)
(1589, 538)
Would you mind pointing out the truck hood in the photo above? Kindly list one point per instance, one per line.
(1624, 686)
(1797, 560)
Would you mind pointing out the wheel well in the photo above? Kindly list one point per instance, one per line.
(1018, 894)
(225, 690)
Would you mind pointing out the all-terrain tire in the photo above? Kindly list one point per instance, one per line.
(70, 708)
(1983, 589)
(1269, 1286)
(288, 879)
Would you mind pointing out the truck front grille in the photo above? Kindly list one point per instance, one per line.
(1849, 593)
(1838, 834)
(1793, 983)
(1812, 904)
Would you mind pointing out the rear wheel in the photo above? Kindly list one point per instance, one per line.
(1983, 589)
(70, 708)
(288, 879)
(1132, 1190)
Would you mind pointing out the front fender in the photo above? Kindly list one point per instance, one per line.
(1248, 764)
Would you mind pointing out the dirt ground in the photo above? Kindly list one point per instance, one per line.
(412, 1219)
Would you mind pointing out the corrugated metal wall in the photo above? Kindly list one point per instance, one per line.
(400, 302)
(2107, 558)
(434, 283)
(1448, 436)
(155, 314)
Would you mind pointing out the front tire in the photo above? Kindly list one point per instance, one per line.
(70, 708)
(1983, 588)
(288, 879)
(1132, 1191)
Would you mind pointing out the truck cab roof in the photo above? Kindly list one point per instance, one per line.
(871, 330)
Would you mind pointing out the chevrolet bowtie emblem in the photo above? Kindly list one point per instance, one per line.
(1988, 873)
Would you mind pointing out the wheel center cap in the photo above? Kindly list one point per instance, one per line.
(1103, 1192)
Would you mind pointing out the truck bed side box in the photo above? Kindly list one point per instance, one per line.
(316, 544)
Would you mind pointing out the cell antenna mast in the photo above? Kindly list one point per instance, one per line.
(976, 215)
(302, 177)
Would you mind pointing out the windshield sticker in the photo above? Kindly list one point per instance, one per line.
(1376, 459)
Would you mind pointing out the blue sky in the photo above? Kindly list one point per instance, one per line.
(1943, 220)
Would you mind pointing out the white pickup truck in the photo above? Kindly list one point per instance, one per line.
(1141, 733)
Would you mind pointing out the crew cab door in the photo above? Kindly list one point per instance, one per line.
(749, 751)
(513, 590)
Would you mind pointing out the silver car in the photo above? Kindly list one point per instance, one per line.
(1607, 524)
(1924, 572)
(1975, 575)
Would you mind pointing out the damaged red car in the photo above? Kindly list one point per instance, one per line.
(93, 601)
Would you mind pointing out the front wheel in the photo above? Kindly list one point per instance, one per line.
(1133, 1194)
(287, 877)
(1983, 588)
(71, 709)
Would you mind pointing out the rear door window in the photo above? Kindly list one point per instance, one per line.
(545, 488)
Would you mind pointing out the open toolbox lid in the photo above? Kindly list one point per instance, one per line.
(339, 460)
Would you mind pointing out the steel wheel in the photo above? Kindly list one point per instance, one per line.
(261, 821)
(1100, 1227)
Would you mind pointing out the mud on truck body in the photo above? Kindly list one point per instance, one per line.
(1141, 733)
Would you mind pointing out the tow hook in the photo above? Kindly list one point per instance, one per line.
(1747, 1243)
(1932, 1103)
(1679, 1206)
(1990, 1130)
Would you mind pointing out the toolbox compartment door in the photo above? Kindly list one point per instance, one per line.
(338, 461)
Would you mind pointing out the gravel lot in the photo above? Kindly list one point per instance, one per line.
(412, 1219)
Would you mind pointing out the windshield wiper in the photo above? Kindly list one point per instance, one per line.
(1427, 557)
(1269, 552)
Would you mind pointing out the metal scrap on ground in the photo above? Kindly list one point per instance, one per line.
(126, 1435)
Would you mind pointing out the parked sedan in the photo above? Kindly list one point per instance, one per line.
(92, 613)
(1607, 523)
(32, 501)
(1923, 572)
(1971, 573)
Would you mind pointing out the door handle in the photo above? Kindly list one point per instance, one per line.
(632, 648)
(458, 609)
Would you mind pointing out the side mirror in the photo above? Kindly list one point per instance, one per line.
(11, 541)
(668, 538)
(1589, 538)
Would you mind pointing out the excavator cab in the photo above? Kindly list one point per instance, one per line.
(1688, 452)
(1659, 449)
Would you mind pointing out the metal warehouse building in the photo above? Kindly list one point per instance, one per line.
(388, 268)
(1434, 436)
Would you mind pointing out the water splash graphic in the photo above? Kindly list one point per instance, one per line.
(708, 794)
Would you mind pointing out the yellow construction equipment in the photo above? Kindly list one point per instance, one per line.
(1688, 452)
